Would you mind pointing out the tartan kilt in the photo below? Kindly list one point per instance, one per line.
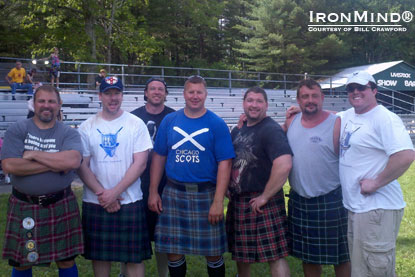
(257, 238)
(118, 237)
(317, 228)
(183, 226)
(57, 232)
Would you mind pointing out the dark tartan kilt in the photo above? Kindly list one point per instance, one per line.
(183, 226)
(257, 238)
(57, 232)
(119, 237)
(318, 228)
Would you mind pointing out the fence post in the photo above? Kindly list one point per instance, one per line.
(285, 85)
(230, 82)
(79, 76)
(122, 74)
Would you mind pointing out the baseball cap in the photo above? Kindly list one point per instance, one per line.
(111, 82)
(361, 78)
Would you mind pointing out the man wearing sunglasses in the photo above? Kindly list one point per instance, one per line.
(195, 147)
(375, 149)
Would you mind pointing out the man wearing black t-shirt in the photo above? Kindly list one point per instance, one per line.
(152, 113)
(256, 220)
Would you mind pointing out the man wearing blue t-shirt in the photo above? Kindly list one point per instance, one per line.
(195, 147)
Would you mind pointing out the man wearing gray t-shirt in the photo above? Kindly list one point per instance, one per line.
(43, 221)
(317, 220)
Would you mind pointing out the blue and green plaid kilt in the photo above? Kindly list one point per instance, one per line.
(318, 228)
(257, 238)
(119, 237)
(183, 226)
(57, 231)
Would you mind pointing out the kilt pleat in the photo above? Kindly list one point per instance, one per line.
(57, 231)
(119, 237)
(183, 226)
(257, 238)
(318, 228)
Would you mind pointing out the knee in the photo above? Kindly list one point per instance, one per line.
(65, 264)
(174, 257)
(213, 258)
(23, 268)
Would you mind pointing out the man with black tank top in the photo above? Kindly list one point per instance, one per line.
(317, 220)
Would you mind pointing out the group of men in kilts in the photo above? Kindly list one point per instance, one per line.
(193, 161)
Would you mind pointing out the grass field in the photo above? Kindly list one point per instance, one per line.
(196, 266)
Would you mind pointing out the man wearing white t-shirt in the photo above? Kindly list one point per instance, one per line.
(116, 145)
(375, 149)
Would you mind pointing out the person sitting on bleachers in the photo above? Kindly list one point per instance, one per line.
(31, 76)
(16, 78)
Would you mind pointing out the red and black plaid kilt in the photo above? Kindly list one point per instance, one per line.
(257, 238)
(57, 232)
(118, 237)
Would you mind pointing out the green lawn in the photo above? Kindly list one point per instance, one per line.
(196, 266)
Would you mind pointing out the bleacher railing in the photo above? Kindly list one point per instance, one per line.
(80, 77)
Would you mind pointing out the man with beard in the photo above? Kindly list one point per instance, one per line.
(195, 146)
(152, 113)
(317, 220)
(43, 222)
(256, 220)
(116, 145)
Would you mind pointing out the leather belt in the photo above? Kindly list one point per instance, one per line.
(42, 200)
(191, 187)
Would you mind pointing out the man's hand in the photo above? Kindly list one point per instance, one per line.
(107, 197)
(154, 203)
(368, 186)
(28, 155)
(114, 207)
(216, 212)
(291, 111)
(257, 203)
(242, 119)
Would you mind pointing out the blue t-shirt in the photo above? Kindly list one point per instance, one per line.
(193, 146)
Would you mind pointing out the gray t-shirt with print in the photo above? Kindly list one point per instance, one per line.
(24, 136)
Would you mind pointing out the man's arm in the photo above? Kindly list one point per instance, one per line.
(8, 79)
(222, 182)
(156, 173)
(281, 167)
(90, 180)
(108, 196)
(23, 167)
(397, 164)
(58, 161)
(336, 135)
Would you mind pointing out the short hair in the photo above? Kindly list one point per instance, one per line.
(195, 79)
(256, 90)
(103, 70)
(373, 85)
(157, 80)
(310, 83)
(33, 70)
(48, 88)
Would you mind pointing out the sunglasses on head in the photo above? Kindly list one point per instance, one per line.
(195, 77)
(352, 87)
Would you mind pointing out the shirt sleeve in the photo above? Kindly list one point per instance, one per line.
(84, 140)
(223, 142)
(277, 142)
(160, 145)
(13, 143)
(72, 141)
(142, 137)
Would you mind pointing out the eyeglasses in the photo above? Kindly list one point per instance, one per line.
(352, 87)
(195, 77)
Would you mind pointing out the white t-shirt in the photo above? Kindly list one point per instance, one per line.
(111, 145)
(366, 142)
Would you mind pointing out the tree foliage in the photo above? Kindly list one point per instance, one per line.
(259, 35)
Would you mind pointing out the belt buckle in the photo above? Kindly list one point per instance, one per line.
(191, 188)
(42, 200)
